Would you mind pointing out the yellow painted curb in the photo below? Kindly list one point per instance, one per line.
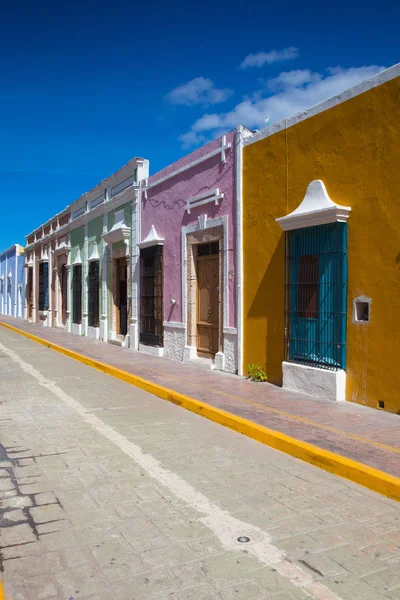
(1, 591)
(371, 478)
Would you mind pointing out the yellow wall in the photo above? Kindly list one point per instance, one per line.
(354, 148)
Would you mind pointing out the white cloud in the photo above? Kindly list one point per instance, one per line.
(267, 58)
(295, 91)
(191, 138)
(198, 91)
(288, 79)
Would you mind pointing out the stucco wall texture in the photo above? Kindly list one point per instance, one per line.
(165, 209)
(354, 148)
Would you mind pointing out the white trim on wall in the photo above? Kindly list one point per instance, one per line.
(206, 198)
(16, 282)
(174, 325)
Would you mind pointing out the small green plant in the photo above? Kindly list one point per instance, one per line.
(256, 373)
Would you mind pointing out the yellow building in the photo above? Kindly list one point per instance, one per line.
(321, 247)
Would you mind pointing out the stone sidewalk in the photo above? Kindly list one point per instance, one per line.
(110, 493)
(366, 435)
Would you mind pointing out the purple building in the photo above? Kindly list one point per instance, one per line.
(189, 248)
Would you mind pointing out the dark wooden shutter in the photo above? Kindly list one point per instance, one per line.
(151, 296)
(43, 286)
(94, 294)
(77, 294)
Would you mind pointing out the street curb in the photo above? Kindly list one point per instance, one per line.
(371, 478)
(1, 591)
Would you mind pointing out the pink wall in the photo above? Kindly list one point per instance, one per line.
(165, 209)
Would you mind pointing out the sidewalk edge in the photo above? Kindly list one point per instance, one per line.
(359, 473)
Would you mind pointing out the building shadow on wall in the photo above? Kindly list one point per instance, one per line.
(269, 303)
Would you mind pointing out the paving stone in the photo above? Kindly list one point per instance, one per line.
(14, 516)
(80, 581)
(162, 558)
(382, 552)
(6, 484)
(46, 513)
(62, 539)
(351, 588)
(354, 560)
(274, 583)
(384, 580)
(16, 502)
(35, 488)
(319, 566)
(26, 462)
(360, 536)
(186, 575)
(16, 534)
(30, 566)
(21, 550)
(42, 587)
(108, 551)
(45, 498)
(53, 526)
(77, 557)
(251, 590)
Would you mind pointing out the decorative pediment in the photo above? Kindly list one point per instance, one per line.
(62, 248)
(29, 262)
(153, 239)
(78, 260)
(44, 256)
(94, 255)
(119, 232)
(316, 209)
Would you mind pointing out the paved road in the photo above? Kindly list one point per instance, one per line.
(111, 493)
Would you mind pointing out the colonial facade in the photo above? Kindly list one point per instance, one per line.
(321, 260)
(188, 256)
(148, 263)
(79, 273)
(12, 291)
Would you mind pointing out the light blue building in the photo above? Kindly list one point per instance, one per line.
(12, 285)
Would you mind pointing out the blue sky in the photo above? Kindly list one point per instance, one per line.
(87, 86)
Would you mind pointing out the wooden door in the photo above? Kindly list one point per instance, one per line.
(207, 303)
(64, 294)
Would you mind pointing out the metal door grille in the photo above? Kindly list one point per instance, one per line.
(94, 294)
(43, 286)
(151, 296)
(316, 294)
(77, 294)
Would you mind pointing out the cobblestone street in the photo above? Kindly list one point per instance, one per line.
(108, 492)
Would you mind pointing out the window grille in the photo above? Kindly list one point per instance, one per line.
(316, 294)
(208, 249)
(151, 296)
(43, 286)
(94, 293)
(77, 294)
